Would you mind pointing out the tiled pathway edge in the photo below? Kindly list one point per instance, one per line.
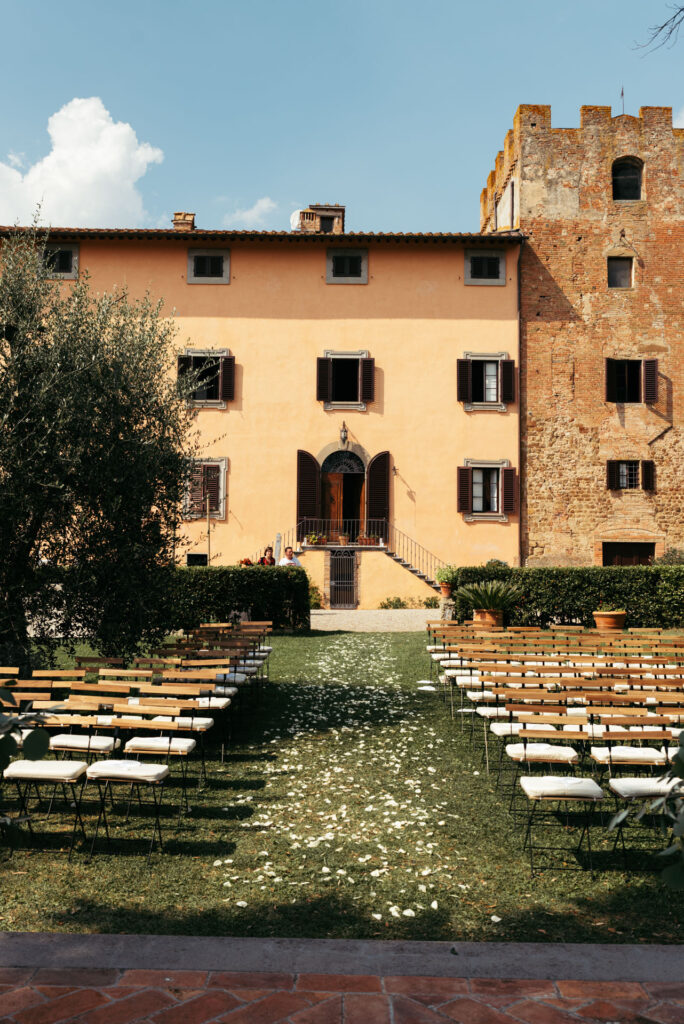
(117, 979)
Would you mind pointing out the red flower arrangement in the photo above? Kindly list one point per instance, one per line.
(246, 561)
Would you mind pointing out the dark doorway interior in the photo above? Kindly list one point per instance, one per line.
(628, 553)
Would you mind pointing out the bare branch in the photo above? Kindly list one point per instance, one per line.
(667, 33)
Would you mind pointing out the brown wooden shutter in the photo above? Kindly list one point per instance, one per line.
(648, 475)
(612, 475)
(464, 480)
(323, 380)
(211, 489)
(650, 381)
(367, 380)
(509, 490)
(464, 377)
(308, 492)
(377, 494)
(507, 380)
(227, 379)
(195, 491)
(611, 381)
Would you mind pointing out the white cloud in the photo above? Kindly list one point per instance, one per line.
(88, 179)
(679, 119)
(16, 159)
(254, 217)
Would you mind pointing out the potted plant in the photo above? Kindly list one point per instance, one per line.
(343, 539)
(609, 619)
(445, 580)
(489, 601)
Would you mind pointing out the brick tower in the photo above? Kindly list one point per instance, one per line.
(602, 331)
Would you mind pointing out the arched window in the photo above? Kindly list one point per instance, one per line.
(627, 178)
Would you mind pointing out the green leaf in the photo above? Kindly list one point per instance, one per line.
(7, 695)
(36, 744)
(8, 748)
(617, 819)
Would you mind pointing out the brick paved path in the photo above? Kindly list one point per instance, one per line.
(101, 996)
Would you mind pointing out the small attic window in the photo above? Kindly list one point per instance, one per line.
(627, 178)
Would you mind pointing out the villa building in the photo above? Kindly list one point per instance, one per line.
(358, 394)
(601, 209)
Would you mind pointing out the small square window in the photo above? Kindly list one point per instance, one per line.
(61, 262)
(485, 267)
(196, 560)
(623, 380)
(347, 266)
(620, 271)
(208, 266)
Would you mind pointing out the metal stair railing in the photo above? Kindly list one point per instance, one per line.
(378, 533)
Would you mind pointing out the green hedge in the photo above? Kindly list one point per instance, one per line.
(202, 594)
(652, 595)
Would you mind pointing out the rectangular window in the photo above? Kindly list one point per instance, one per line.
(486, 267)
(485, 381)
(61, 261)
(347, 266)
(485, 490)
(622, 475)
(620, 270)
(215, 375)
(195, 560)
(206, 490)
(345, 379)
(208, 266)
(623, 380)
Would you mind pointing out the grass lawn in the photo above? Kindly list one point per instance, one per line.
(351, 807)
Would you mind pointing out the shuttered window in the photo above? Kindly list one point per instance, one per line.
(208, 266)
(308, 493)
(648, 475)
(485, 381)
(622, 475)
(486, 490)
(61, 261)
(632, 380)
(216, 376)
(206, 486)
(378, 495)
(345, 381)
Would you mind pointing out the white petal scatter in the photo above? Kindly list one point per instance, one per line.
(88, 179)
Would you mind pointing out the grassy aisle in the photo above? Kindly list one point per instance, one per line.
(352, 807)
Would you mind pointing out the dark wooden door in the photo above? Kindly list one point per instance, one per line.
(342, 579)
(332, 508)
(628, 553)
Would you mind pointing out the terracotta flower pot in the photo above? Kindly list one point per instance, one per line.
(607, 622)
(486, 618)
(446, 589)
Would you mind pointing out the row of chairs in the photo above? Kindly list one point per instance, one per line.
(163, 706)
(563, 701)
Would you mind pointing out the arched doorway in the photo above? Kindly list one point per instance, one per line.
(343, 484)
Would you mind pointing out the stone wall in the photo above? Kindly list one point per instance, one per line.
(571, 322)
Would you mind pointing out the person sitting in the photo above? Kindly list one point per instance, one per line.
(267, 557)
(289, 558)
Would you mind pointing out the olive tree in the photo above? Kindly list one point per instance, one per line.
(96, 444)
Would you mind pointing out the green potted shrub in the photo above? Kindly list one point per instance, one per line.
(489, 601)
(609, 619)
(444, 577)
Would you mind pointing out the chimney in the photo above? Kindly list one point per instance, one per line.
(184, 221)
(322, 219)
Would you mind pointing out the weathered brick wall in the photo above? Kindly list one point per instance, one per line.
(571, 322)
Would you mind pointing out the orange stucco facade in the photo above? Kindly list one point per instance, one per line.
(416, 316)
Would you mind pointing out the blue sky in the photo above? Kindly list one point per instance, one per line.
(243, 111)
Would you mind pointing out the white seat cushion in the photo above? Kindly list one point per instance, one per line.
(541, 752)
(593, 732)
(562, 788)
(513, 728)
(194, 723)
(231, 677)
(498, 712)
(46, 771)
(220, 703)
(433, 648)
(477, 696)
(627, 755)
(671, 752)
(70, 741)
(160, 745)
(265, 648)
(127, 771)
(226, 691)
(642, 789)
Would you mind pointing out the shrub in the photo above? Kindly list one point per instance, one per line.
(673, 556)
(221, 593)
(499, 595)
(393, 602)
(652, 595)
(431, 602)
(315, 596)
